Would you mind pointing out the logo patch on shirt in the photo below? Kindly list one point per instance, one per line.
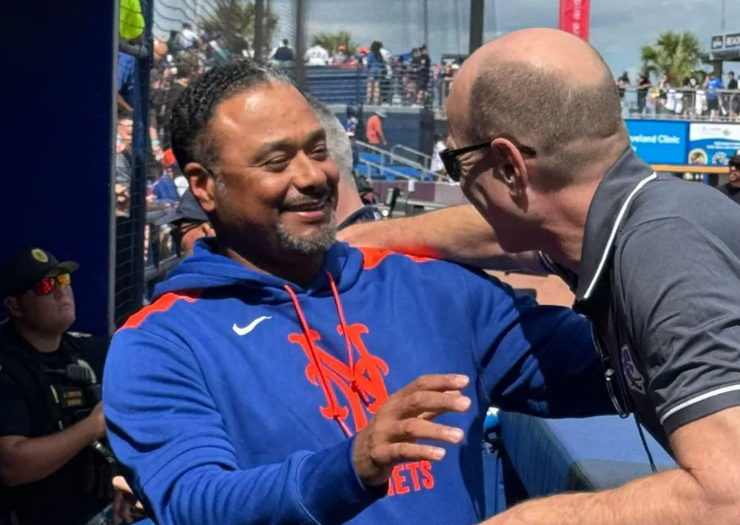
(634, 378)
(369, 373)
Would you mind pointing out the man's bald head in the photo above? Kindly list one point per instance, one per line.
(542, 88)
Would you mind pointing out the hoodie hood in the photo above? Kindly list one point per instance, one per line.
(207, 270)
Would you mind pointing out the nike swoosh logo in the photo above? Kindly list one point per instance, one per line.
(251, 326)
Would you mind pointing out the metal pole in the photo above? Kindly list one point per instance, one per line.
(259, 33)
(425, 4)
(476, 24)
(300, 45)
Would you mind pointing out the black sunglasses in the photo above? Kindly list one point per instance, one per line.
(449, 157)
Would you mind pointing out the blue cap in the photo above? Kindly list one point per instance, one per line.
(187, 209)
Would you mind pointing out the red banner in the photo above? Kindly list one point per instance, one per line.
(574, 17)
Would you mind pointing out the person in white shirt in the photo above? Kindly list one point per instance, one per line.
(188, 39)
(317, 56)
(439, 146)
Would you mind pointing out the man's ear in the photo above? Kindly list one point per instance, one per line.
(12, 306)
(510, 166)
(203, 186)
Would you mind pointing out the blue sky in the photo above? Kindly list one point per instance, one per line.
(618, 27)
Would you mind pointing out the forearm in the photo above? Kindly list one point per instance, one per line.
(34, 459)
(305, 487)
(457, 233)
(673, 497)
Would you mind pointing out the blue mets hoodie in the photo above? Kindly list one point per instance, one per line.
(234, 397)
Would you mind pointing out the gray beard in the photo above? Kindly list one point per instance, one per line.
(314, 245)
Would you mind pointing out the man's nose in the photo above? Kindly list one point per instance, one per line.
(308, 173)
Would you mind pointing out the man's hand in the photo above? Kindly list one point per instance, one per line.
(97, 421)
(390, 437)
(125, 506)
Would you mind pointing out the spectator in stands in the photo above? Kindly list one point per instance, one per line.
(124, 163)
(658, 276)
(164, 188)
(440, 144)
(126, 80)
(243, 413)
(186, 66)
(361, 57)
(374, 130)
(51, 472)
(386, 91)
(283, 54)
(350, 207)
(187, 38)
(711, 85)
(643, 87)
(423, 68)
(732, 188)
(623, 83)
(340, 58)
(734, 98)
(375, 73)
(317, 55)
(190, 221)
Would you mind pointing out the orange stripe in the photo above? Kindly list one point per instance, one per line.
(372, 257)
(162, 304)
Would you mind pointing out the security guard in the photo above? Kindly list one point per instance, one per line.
(50, 411)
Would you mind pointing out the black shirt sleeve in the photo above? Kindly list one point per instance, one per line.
(14, 416)
(679, 285)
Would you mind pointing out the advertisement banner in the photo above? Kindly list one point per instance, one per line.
(659, 141)
(712, 143)
(575, 17)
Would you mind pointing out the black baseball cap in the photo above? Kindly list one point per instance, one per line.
(187, 209)
(27, 267)
(735, 159)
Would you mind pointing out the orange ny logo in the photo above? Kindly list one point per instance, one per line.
(369, 372)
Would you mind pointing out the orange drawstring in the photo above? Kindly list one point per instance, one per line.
(350, 353)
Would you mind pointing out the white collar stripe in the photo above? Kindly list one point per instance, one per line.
(613, 234)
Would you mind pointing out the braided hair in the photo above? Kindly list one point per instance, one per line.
(194, 109)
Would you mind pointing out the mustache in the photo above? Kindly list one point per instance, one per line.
(326, 193)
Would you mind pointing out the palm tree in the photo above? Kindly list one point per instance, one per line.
(674, 54)
(234, 19)
(331, 41)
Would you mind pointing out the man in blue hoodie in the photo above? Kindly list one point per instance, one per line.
(281, 377)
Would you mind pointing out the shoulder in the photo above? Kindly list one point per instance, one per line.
(171, 303)
(436, 275)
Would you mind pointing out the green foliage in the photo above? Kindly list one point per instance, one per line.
(235, 20)
(331, 41)
(674, 54)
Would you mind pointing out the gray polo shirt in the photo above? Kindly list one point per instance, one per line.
(660, 279)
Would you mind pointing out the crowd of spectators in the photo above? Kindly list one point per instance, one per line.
(697, 96)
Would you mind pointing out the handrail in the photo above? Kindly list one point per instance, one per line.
(424, 156)
(396, 159)
(384, 168)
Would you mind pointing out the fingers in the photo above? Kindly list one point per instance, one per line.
(415, 429)
(421, 402)
(119, 484)
(437, 383)
(432, 414)
(395, 453)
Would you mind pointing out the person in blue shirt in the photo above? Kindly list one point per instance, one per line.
(712, 84)
(282, 377)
